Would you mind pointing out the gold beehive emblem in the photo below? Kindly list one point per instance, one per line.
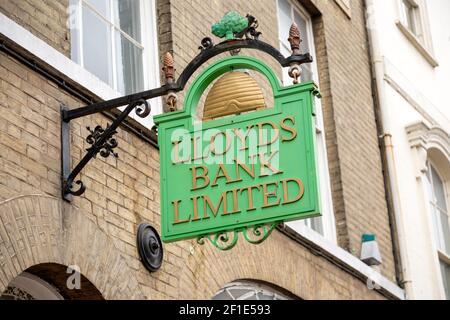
(234, 93)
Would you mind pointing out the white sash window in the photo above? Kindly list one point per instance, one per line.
(289, 11)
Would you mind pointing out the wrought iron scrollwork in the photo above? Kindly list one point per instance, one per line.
(142, 107)
(101, 141)
(226, 240)
(250, 32)
(75, 192)
(107, 148)
(206, 43)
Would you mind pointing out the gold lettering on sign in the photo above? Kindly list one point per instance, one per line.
(235, 201)
(195, 148)
(176, 153)
(301, 191)
(242, 137)
(259, 192)
(212, 145)
(176, 213)
(215, 210)
(195, 205)
(250, 196)
(267, 194)
(289, 129)
(224, 174)
(265, 163)
(203, 176)
(274, 129)
(250, 171)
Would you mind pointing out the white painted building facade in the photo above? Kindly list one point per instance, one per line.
(410, 48)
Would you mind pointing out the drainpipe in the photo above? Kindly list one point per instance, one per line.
(384, 125)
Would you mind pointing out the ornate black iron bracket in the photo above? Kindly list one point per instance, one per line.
(102, 140)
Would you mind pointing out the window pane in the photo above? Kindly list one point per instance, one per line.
(445, 232)
(409, 16)
(130, 76)
(97, 46)
(316, 224)
(445, 270)
(285, 11)
(439, 193)
(287, 81)
(307, 74)
(301, 23)
(127, 17)
(102, 6)
(428, 184)
(436, 227)
(74, 24)
(284, 20)
(436, 192)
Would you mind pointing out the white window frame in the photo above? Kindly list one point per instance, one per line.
(326, 201)
(430, 144)
(442, 256)
(421, 41)
(149, 45)
(446, 260)
(416, 18)
(433, 202)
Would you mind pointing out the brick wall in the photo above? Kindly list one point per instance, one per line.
(123, 192)
(352, 144)
(46, 19)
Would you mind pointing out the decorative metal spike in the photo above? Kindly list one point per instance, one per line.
(294, 39)
(169, 70)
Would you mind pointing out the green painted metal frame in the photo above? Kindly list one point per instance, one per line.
(288, 101)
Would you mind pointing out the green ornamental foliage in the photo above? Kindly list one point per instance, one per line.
(230, 24)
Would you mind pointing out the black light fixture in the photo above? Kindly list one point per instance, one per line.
(149, 247)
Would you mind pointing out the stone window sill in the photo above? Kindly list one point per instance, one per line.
(345, 8)
(417, 44)
(444, 257)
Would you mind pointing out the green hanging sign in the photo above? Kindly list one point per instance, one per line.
(238, 165)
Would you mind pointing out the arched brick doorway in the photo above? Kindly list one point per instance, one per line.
(50, 281)
(38, 233)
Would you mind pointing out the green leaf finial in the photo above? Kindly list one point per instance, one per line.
(231, 23)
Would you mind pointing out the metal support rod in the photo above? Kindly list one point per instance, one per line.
(65, 154)
(69, 115)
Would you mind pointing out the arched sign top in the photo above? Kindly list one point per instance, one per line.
(221, 67)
